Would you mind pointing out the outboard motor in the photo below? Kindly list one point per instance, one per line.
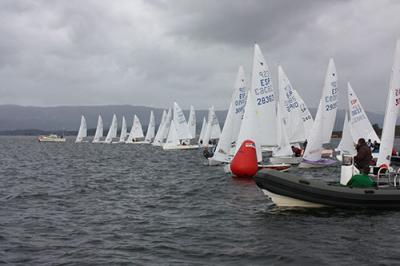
(245, 164)
(347, 169)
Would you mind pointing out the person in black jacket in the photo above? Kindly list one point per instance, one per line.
(363, 158)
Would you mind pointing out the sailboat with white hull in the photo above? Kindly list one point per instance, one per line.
(158, 138)
(99, 131)
(192, 122)
(213, 130)
(202, 132)
(151, 128)
(290, 123)
(136, 135)
(264, 101)
(347, 144)
(179, 135)
(124, 131)
(82, 133)
(112, 132)
(391, 114)
(359, 122)
(227, 143)
(323, 124)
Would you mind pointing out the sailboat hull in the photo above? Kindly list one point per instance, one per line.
(316, 164)
(285, 160)
(213, 162)
(180, 147)
(137, 142)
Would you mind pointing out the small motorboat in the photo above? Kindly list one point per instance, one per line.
(51, 138)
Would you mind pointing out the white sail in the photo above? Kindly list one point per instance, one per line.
(305, 115)
(360, 125)
(291, 113)
(216, 128)
(136, 131)
(212, 127)
(346, 144)
(284, 148)
(203, 131)
(192, 122)
(158, 139)
(392, 110)
(249, 126)
(181, 125)
(124, 131)
(82, 133)
(150, 128)
(99, 130)
(168, 121)
(112, 132)
(172, 138)
(264, 99)
(328, 102)
(325, 117)
(233, 120)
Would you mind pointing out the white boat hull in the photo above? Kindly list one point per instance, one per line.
(213, 162)
(181, 147)
(137, 142)
(288, 202)
(285, 160)
(317, 164)
(82, 141)
(51, 138)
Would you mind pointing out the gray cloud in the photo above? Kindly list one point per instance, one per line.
(155, 52)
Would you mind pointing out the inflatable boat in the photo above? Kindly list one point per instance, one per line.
(291, 190)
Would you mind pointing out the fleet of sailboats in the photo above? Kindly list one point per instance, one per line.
(278, 122)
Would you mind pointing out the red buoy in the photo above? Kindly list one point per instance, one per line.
(244, 164)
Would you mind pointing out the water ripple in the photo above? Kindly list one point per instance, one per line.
(137, 204)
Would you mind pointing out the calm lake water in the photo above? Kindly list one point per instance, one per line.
(137, 204)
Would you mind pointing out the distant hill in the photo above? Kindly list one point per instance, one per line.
(25, 119)
(16, 118)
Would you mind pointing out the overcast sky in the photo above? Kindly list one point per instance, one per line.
(154, 52)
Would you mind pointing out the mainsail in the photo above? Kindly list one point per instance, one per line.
(150, 128)
(99, 130)
(230, 131)
(82, 133)
(124, 132)
(112, 132)
(392, 110)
